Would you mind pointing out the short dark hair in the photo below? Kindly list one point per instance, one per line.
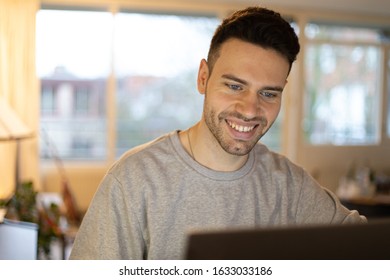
(259, 26)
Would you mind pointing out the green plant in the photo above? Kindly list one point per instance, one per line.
(22, 205)
(48, 228)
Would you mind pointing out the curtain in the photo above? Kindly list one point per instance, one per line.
(20, 87)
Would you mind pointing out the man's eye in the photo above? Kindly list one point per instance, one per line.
(233, 86)
(268, 94)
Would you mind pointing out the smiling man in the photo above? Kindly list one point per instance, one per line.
(215, 174)
(243, 95)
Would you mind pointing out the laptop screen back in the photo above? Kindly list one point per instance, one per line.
(331, 242)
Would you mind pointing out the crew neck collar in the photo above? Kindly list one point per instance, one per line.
(205, 171)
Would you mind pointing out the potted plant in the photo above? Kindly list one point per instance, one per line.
(23, 207)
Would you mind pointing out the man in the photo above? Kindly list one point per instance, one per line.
(214, 175)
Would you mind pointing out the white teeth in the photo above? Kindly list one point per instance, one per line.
(241, 128)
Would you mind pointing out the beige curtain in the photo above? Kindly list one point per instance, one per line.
(20, 87)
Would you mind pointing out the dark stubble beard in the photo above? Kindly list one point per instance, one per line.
(215, 124)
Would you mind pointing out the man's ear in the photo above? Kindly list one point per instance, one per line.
(203, 76)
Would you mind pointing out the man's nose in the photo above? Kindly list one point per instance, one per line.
(249, 105)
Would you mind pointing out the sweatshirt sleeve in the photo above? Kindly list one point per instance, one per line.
(317, 204)
(109, 230)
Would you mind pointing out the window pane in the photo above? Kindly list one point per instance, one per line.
(342, 94)
(73, 61)
(48, 105)
(343, 33)
(156, 63)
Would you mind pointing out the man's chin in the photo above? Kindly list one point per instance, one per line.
(239, 150)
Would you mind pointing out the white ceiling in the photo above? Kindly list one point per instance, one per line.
(369, 7)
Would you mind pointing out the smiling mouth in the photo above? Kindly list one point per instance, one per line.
(240, 128)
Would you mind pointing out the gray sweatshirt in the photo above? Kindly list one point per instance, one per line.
(156, 194)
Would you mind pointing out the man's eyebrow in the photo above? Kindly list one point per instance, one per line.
(234, 78)
(241, 81)
(280, 89)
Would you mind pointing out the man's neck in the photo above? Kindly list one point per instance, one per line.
(200, 143)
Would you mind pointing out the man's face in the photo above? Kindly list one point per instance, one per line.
(243, 94)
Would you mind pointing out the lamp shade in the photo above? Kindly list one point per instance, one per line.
(11, 126)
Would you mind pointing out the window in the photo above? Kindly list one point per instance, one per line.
(343, 92)
(154, 59)
(82, 100)
(73, 62)
(48, 100)
(156, 63)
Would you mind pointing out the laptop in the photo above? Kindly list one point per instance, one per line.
(370, 241)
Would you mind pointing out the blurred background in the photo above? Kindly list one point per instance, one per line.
(83, 81)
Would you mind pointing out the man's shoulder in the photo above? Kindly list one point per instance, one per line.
(159, 147)
(274, 160)
(158, 143)
(263, 153)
